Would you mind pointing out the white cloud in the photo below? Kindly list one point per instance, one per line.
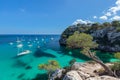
(116, 8)
(108, 14)
(103, 17)
(115, 18)
(95, 17)
(112, 12)
(80, 21)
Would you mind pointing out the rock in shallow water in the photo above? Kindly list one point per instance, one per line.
(28, 67)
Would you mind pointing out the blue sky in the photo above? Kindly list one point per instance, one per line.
(51, 16)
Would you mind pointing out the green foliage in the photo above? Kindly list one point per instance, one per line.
(117, 55)
(116, 66)
(91, 62)
(50, 66)
(118, 29)
(85, 42)
(101, 70)
(64, 36)
(80, 41)
(106, 24)
(115, 23)
(95, 26)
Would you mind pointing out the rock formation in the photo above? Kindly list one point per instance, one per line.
(85, 71)
(107, 38)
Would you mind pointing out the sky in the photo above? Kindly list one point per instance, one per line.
(53, 16)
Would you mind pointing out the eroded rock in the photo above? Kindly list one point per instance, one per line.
(72, 75)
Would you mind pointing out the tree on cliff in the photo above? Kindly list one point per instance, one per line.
(117, 55)
(85, 42)
(115, 23)
(50, 66)
(106, 24)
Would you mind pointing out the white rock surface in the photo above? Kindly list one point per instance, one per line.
(72, 75)
(102, 78)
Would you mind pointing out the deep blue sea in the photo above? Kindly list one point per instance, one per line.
(41, 49)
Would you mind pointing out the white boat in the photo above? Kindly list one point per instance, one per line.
(52, 38)
(28, 42)
(43, 39)
(20, 45)
(11, 43)
(24, 53)
(18, 41)
(30, 45)
(36, 39)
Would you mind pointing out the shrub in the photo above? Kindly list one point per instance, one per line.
(116, 66)
(117, 55)
(50, 66)
(118, 29)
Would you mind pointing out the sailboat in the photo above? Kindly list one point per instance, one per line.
(18, 41)
(52, 38)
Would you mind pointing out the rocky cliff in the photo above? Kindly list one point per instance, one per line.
(82, 71)
(108, 38)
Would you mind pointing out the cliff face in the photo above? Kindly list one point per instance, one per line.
(82, 71)
(108, 38)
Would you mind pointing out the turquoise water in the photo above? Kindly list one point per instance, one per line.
(43, 48)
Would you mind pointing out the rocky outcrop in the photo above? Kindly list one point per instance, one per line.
(85, 71)
(107, 38)
(102, 78)
(56, 74)
(72, 75)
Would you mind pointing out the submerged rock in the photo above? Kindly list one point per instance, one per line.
(21, 76)
(28, 67)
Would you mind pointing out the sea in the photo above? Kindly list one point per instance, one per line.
(20, 56)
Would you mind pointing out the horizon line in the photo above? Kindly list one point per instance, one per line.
(30, 34)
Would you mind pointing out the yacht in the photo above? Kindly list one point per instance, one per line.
(24, 53)
(20, 45)
(11, 43)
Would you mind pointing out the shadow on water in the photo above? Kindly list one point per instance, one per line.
(40, 53)
(74, 53)
(40, 77)
(21, 76)
(19, 63)
(15, 57)
(104, 56)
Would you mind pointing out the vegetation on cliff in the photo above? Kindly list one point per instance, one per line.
(50, 66)
(117, 55)
(105, 34)
(85, 42)
(90, 27)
